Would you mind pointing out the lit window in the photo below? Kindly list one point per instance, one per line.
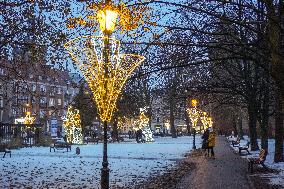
(59, 102)
(51, 102)
(42, 88)
(42, 100)
(34, 87)
(41, 113)
(14, 111)
(2, 72)
(1, 102)
(59, 91)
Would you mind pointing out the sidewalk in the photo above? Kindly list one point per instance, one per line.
(227, 171)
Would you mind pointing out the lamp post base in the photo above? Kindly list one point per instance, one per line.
(105, 169)
(193, 146)
(105, 178)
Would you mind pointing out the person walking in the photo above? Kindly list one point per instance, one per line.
(205, 137)
(211, 143)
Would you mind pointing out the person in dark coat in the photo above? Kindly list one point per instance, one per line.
(129, 134)
(205, 138)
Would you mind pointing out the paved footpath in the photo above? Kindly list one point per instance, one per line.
(227, 171)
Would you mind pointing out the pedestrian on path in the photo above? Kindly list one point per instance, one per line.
(205, 137)
(211, 143)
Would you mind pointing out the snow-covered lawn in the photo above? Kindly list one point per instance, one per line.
(129, 163)
(275, 179)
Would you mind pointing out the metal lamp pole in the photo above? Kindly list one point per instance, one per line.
(194, 104)
(106, 54)
(194, 132)
(105, 169)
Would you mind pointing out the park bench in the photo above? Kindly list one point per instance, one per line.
(3, 148)
(94, 140)
(244, 148)
(236, 143)
(257, 160)
(60, 145)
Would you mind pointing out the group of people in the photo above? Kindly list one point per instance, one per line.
(208, 142)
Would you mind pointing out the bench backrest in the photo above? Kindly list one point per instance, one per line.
(248, 143)
(262, 155)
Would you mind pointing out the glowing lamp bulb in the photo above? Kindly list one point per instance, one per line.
(107, 20)
(194, 102)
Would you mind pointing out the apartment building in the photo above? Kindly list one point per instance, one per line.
(40, 89)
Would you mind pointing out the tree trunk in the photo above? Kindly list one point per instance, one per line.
(187, 122)
(264, 116)
(115, 131)
(240, 127)
(252, 125)
(172, 120)
(278, 156)
(235, 125)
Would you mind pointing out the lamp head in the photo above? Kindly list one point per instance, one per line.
(107, 19)
(194, 102)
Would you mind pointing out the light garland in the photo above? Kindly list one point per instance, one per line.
(87, 52)
(72, 126)
(193, 115)
(204, 119)
(29, 119)
(143, 124)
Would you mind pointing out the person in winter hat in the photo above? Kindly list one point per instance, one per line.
(211, 143)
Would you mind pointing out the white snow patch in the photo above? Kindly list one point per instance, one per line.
(274, 178)
(129, 163)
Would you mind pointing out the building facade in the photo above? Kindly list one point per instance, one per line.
(42, 90)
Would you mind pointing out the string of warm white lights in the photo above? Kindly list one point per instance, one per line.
(91, 63)
(72, 126)
(29, 119)
(195, 114)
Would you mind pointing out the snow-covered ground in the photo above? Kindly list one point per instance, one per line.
(129, 163)
(275, 178)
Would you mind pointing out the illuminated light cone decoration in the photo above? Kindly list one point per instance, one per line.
(87, 52)
(143, 124)
(193, 113)
(29, 119)
(72, 126)
(204, 119)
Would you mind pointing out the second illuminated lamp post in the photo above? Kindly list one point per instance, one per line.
(193, 116)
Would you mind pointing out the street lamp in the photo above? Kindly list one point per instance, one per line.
(105, 70)
(194, 116)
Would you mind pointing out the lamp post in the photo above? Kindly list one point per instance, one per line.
(105, 70)
(107, 20)
(193, 115)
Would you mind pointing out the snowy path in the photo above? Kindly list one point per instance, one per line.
(227, 171)
(129, 163)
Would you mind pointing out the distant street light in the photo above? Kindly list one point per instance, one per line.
(193, 116)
